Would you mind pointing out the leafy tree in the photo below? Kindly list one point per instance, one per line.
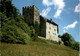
(66, 39)
(69, 41)
(8, 9)
(59, 36)
(13, 27)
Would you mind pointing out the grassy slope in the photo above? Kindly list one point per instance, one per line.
(36, 49)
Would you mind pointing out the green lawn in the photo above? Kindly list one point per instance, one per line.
(36, 49)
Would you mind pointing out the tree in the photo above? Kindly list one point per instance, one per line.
(59, 36)
(8, 9)
(13, 28)
(66, 39)
(69, 41)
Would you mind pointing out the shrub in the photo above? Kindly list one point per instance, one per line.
(34, 37)
(13, 34)
(59, 42)
(76, 46)
(13, 31)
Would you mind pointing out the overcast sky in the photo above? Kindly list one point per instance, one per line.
(63, 12)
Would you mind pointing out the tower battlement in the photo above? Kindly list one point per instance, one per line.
(29, 7)
(31, 14)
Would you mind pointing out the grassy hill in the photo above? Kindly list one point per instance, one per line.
(37, 49)
(15, 30)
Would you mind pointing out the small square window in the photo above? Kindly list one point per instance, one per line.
(49, 27)
(53, 33)
(54, 29)
(48, 31)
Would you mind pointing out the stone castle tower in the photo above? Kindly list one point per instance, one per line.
(31, 15)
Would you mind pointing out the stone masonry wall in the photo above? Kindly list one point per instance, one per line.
(28, 13)
(47, 30)
(36, 15)
(42, 26)
(31, 14)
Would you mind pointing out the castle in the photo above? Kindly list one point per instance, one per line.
(48, 28)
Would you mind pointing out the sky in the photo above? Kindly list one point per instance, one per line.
(63, 12)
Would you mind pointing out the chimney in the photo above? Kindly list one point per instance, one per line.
(51, 19)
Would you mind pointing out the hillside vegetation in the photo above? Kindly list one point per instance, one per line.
(23, 38)
(13, 27)
(37, 49)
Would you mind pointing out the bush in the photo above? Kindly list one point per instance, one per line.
(13, 34)
(59, 42)
(34, 37)
(13, 31)
(76, 46)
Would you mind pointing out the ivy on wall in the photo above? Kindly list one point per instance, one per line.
(36, 27)
(42, 26)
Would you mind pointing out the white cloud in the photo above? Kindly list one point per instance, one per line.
(77, 8)
(47, 3)
(64, 31)
(57, 14)
(71, 25)
(45, 11)
(59, 5)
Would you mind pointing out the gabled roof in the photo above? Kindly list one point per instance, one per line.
(50, 21)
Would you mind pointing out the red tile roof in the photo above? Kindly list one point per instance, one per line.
(50, 21)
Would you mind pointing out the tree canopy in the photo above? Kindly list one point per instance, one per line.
(69, 41)
(13, 27)
(8, 9)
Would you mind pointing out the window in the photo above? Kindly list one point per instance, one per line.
(54, 33)
(49, 27)
(54, 29)
(48, 31)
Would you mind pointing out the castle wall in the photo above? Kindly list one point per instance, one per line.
(36, 15)
(31, 14)
(47, 29)
(42, 26)
(51, 32)
(28, 13)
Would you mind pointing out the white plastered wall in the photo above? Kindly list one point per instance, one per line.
(51, 32)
